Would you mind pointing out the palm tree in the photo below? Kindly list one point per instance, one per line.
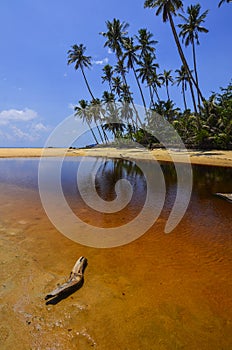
(117, 85)
(96, 110)
(147, 55)
(168, 9)
(126, 114)
(167, 78)
(121, 69)
(189, 32)
(126, 94)
(76, 55)
(113, 121)
(222, 1)
(115, 127)
(82, 111)
(145, 42)
(155, 81)
(146, 70)
(115, 35)
(132, 59)
(182, 78)
(108, 75)
(108, 97)
(167, 109)
(186, 126)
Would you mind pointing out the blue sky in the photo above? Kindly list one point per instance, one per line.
(38, 89)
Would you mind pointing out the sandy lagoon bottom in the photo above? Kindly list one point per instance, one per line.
(159, 292)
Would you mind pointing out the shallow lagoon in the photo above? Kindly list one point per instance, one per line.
(162, 291)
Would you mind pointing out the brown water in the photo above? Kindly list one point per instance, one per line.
(159, 292)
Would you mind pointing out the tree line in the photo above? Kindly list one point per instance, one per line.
(206, 124)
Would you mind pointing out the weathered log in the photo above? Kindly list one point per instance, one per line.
(76, 279)
(227, 196)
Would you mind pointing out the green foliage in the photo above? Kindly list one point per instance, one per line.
(216, 121)
(209, 126)
(144, 138)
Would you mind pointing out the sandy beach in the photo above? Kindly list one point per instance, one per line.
(211, 157)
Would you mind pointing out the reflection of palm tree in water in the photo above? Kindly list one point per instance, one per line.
(112, 171)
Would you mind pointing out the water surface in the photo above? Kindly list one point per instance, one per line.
(162, 291)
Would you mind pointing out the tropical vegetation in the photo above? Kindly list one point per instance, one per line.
(203, 123)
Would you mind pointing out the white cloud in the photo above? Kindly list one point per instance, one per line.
(110, 51)
(21, 126)
(40, 127)
(16, 115)
(31, 133)
(20, 134)
(101, 62)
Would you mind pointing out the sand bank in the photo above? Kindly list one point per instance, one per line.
(212, 157)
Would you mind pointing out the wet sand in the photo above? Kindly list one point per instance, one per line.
(212, 157)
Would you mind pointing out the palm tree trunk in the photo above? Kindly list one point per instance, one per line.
(88, 123)
(110, 86)
(86, 82)
(91, 94)
(194, 102)
(99, 131)
(151, 97)
(184, 97)
(167, 91)
(195, 70)
(105, 135)
(132, 101)
(139, 86)
(156, 93)
(183, 59)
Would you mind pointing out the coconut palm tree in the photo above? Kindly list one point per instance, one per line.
(116, 33)
(126, 94)
(167, 109)
(112, 118)
(189, 32)
(117, 85)
(121, 69)
(168, 8)
(156, 82)
(182, 78)
(167, 78)
(145, 42)
(108, 97)
(82, 111)
(222, 1)
(126, 114)
(146, 45)
(130, 55)
(97, 111)
(76, 56)
(108, 75)
(147, 69)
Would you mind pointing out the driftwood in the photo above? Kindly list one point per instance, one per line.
(227, 196)
(75, 280)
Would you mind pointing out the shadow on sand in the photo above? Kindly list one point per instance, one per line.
(65, 294)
